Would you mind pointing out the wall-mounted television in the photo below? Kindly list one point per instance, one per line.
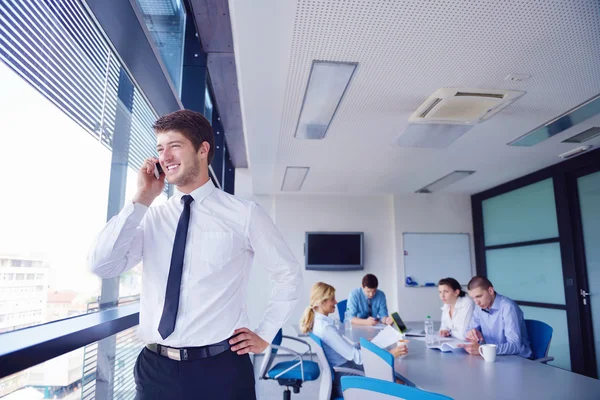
(334, 251)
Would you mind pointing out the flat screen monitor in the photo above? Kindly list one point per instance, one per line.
(334, 251)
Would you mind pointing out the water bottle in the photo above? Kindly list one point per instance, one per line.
(431, 338)
(347, 321)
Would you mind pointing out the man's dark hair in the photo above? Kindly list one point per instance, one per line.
(370, 281)
(479, 281)
(452, 284)
(192, 125)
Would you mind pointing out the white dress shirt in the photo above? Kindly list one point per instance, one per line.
(336, 347)
(224, 234)
(458, 324)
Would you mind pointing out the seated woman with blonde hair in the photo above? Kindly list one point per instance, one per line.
(338, 350)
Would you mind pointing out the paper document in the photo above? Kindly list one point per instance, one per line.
(449, 345)
(387, 337)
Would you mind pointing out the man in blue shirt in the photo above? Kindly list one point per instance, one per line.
(367, 305)
(496, 320)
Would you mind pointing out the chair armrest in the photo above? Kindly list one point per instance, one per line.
(544, 360)
(298, 340)
(309, 351)
(287, 350)
(349, 371)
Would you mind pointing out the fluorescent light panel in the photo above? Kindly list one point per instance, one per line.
(560, 124)
(294, 178)
(584, 136)
(431, 135)
(327, 84)
(447, 180)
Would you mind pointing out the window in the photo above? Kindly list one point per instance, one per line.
(63, 96)
(523, 268)
(63, 377)
(165, 20)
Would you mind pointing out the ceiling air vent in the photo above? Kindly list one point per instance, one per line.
(463, 106)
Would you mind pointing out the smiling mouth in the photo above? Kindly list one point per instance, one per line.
(172, 167)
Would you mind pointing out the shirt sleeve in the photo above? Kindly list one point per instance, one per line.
(475, 323)
(341, 346)
(512, 331)
(352, 304)
(445, 325)
(282, 267)
(119, 246)
(383, 311)
(463, 320)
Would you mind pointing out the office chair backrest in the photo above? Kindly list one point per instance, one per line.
(540, 335)
(326, 369)
(270, 354)
(360, 388)
(378, 363)
(341, 306)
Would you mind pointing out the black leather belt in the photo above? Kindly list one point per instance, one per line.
(189, 353)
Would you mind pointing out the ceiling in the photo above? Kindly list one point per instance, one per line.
(214, 27)
(405, 51)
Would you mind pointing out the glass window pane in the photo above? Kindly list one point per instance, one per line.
(528, 273)
(559, 346)
(208, 105)
(589, 203)
(165, 19)
(58, 184)
(63, 377)
(528, 213)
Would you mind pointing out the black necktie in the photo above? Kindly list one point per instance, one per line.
(370, 309)
(169, 314)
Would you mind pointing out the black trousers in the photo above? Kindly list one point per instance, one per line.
(225, 376)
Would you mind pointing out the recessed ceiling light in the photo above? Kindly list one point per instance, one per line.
(447, 180)
(326, 86)
(293, 179)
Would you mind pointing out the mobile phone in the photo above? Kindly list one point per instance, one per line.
(158, 171)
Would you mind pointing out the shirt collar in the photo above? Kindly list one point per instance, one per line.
(325, 319)
(495, 305)
(198, 194)
(460, 303)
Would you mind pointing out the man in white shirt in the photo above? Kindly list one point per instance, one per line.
(197, 251)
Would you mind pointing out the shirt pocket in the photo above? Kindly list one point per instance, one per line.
(213, 248)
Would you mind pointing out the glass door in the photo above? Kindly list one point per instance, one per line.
(588, 191)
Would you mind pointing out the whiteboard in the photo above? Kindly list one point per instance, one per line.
(429, 257)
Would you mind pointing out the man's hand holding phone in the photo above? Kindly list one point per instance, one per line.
(149, 186)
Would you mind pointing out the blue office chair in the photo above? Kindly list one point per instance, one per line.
(290, 374)
(359, 388)
(341, 306)
(540, 336)
(327, 374)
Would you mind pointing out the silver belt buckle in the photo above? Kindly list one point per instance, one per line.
(173, 354)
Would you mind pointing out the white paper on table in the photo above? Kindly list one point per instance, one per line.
(379, 326)
(387, 337)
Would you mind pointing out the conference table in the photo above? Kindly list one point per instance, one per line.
(463, 376)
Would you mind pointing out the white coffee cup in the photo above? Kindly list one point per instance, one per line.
(488, 352)
(402, 343)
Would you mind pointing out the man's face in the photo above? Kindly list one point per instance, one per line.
(178, 158)
(369, 292)
(482, 297)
